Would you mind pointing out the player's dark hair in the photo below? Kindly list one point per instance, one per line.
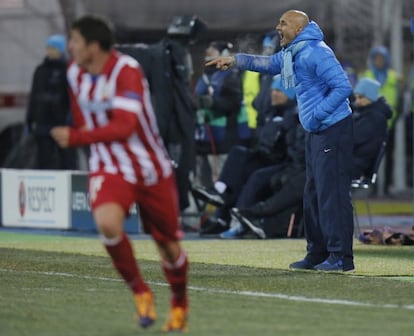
(95, 28)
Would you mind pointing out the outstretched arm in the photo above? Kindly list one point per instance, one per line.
(223, 63)
(258, 63)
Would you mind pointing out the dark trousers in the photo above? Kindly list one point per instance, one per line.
(289, 195)
(257, 187)
(327, 195)
(241, 162)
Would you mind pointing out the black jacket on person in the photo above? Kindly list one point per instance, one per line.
(370, 130)
(49, 103)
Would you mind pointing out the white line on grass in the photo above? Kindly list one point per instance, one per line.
(231, 292)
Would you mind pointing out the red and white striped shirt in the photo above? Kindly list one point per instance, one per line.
(114, 115)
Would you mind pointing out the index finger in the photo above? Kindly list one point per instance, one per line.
(212, 62)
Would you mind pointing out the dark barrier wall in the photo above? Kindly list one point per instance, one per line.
(82, 219)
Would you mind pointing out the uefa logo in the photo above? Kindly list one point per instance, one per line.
(22, 198)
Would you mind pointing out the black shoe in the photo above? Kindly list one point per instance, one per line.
(307, 263)
(207, 195)
(335, 263)
(303, 264)
(213, 226)
(252, 224)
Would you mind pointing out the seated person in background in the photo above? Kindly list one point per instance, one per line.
(271, 192)
(370, 114)
(241, 162)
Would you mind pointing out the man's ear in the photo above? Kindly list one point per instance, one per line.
(299, 29)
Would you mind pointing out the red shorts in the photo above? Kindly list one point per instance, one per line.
(157, 204)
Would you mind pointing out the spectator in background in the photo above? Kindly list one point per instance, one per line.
(128, 163)
(49, 106)
(221, 115)
(370, 115)
(379, 68)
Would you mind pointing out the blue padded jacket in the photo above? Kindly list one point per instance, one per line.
(322, 86)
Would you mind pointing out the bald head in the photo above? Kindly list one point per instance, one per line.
(290, 25)
(300, 18)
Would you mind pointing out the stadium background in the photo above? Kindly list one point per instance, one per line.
(351, 27)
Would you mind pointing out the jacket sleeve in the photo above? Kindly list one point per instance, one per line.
(120, 128)
(262, 64)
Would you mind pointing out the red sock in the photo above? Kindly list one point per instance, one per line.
(123, 259)
(176, 275)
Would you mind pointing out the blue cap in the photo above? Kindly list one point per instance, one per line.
(369, 88)
(58, 42)
(278, 85)
(269, 42)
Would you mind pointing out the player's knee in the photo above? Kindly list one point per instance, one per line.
(109, 229)
(109, 221)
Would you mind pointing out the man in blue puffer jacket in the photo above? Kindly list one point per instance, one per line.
(322, 89)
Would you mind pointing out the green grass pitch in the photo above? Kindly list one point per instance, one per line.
(55, 285)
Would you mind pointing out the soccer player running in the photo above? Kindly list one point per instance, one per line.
(128, 163)
(322, 90)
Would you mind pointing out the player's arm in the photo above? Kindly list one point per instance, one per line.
(123, 122)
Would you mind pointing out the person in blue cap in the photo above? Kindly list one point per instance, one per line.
(371, 114)
(379, 68)
(49, 106)
(322, 89)
(56, 47)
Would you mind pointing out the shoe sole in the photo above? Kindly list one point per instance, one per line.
(302, 269)
(146, 322)
(148, 317)
(335, 271)
(206, 198)
(259, 232)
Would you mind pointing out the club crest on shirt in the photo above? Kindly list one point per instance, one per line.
(94, 105)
